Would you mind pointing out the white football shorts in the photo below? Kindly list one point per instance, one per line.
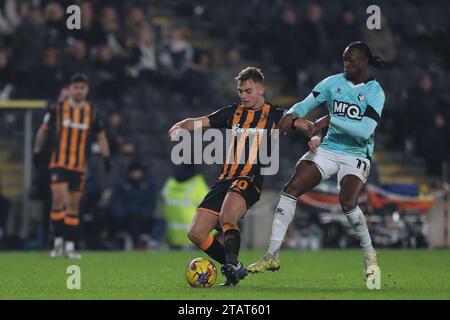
(329, 163)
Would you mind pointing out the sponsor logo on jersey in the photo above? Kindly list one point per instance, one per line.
(236, 129)
(344, 109)
(71, 124)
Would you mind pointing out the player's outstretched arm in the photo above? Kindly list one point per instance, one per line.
(189, 124)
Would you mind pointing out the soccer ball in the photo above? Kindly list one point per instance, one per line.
(201, 273)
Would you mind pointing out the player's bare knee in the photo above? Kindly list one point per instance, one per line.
(192, 236)
(57, 204)
(196, 236)
(57, 201)
(72, 209)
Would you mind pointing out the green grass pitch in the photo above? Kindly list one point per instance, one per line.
(328, 274)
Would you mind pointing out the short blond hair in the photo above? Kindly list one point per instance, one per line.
(251, 73)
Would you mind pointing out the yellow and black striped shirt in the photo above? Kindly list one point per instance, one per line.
(72, 129)
(240, 119)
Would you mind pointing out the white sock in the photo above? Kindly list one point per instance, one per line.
(284, 214)
(358, 222)
(58, 242)
(70, 246)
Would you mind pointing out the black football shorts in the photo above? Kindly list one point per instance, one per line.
(74, 179)
(247, 188)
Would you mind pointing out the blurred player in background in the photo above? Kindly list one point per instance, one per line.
(239, 185)
(72, 124)
(355, 102)
(41, 181)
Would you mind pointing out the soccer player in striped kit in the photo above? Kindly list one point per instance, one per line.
(72, 125)
(239, 184)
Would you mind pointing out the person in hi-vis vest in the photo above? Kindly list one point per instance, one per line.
(181, 194)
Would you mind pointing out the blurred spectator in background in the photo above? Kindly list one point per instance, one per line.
(381, 41)
(176, 54)
(136, 21)
(10, 16)
(146, 66)
(314, 35)
(29, 40)
(413, 117)
(198, 79)
(227, 71)
(133, 207)
(116, 133)
(8, 76)
(181, 195)
(109, 76)
(87, 31)
(348, 31)
(55, 25)
(77, 60)
(49, 75)
(425, 118)
(434, 141)
(289, 50)
(249, 26)
(108, 30)
(5, 206)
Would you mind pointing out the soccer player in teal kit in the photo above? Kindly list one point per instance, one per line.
(355, 102)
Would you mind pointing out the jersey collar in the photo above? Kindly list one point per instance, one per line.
(360, 84)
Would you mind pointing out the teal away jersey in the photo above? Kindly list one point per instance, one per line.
(355, 111)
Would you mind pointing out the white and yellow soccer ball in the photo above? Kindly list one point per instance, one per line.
(201, 273)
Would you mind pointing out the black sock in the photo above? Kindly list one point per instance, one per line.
(232, 243)
(216, 251)
(58, 228)
(57, 220)
(71, 223)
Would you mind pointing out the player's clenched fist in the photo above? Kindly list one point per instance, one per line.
(314, 143)
(285, 123)
(174, 131)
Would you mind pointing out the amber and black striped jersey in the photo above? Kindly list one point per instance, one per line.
(244, 122)
(72, 129)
